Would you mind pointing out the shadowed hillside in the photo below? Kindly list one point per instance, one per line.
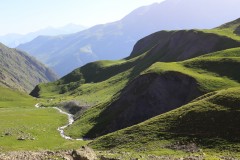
(207, 121)
(22, 72)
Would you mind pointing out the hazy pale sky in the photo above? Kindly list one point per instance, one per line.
(23, 16)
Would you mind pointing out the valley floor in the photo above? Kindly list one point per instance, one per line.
(25, 127)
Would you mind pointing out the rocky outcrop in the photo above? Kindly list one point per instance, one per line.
(145, 97)
(35, 92)
(84, 153)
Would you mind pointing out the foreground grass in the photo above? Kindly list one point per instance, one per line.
(19, 119)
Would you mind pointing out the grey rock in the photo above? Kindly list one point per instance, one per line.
(84, 153)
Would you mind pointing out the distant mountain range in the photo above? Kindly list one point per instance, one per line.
(22, 72)
(115, 40)
(13, 40)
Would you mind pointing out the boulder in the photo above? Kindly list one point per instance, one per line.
(84, 153)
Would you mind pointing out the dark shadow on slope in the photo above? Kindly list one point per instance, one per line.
(145, 97)
(237, 31)
(209, 124)
(228, 67)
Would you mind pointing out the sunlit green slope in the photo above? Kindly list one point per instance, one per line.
(24, 127)
(190, 79)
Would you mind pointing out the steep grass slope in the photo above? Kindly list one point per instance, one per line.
(20, 71)
(24, 127)
(230, 29)
(141, 92)
(160, 88)
(211, 122)
(160, 46)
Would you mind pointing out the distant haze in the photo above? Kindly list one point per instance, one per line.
(24, 16)
(115, 40)
(13, 39)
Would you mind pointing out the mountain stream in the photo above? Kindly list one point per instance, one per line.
(61, 129)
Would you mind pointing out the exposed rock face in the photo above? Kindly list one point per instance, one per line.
(182, 45)
(147, 96)
(84, 153)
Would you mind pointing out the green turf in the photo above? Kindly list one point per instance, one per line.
(228, 30)
(20, 119)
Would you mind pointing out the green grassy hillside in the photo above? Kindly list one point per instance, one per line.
(108, 84)
(230, 29)
(21, 120)
(212, 72)
(179, 85)
(95, 79)
(211, 122)
(21, 71)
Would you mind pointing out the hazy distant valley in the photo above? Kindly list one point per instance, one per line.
(115, 40)
(139, 88)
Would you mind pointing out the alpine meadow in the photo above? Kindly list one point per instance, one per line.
(162, 83)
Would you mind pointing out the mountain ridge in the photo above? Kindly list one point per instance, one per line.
(21, 71)
(13, 39)
(161, 50)
(115, 40)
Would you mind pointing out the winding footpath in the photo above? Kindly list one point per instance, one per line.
(61, 129)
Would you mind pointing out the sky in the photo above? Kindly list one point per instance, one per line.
(24, 16)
